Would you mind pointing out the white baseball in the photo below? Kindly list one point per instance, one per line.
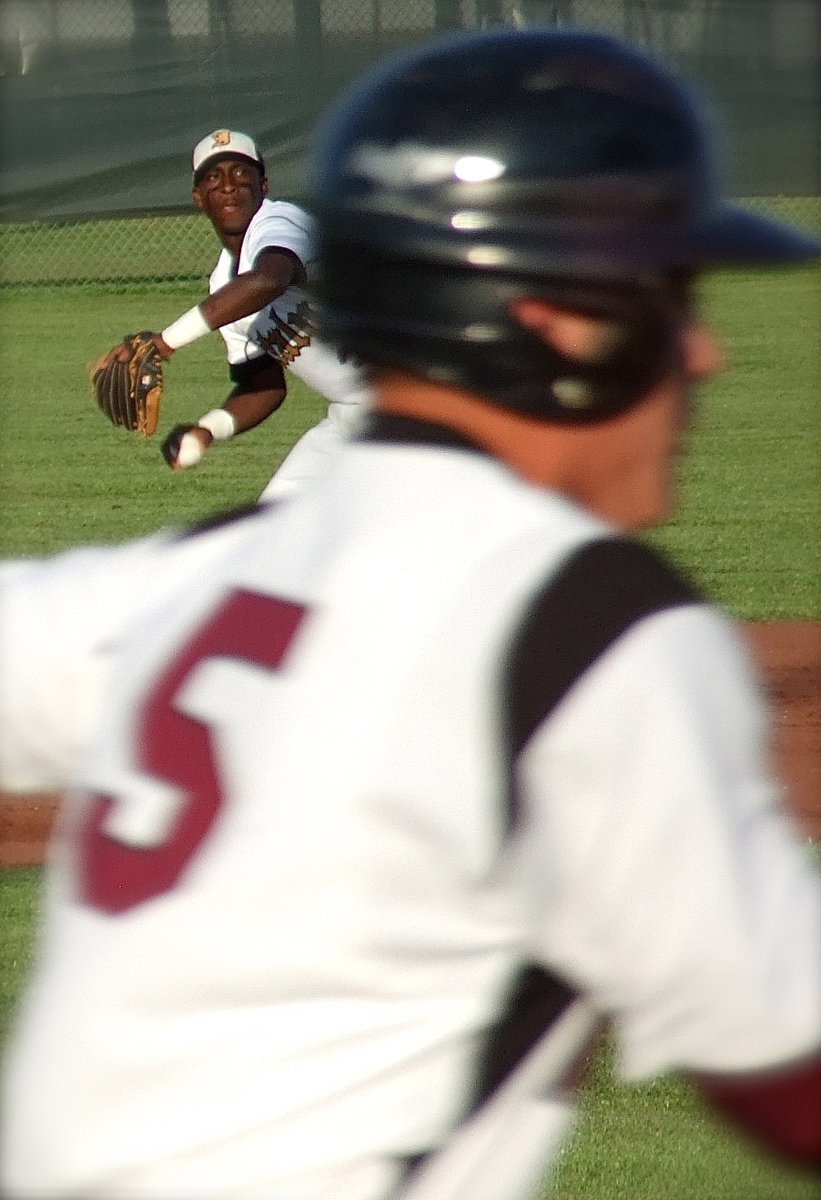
(191, 451)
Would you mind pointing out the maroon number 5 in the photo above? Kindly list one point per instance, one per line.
(177, 748)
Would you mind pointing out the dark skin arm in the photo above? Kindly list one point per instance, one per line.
(779, 1109)
(251, 407)
(251, 402)
(273, 273)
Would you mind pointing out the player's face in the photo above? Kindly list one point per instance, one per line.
(230, 192)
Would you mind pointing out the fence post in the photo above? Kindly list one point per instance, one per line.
(308, 37)
(447, 14)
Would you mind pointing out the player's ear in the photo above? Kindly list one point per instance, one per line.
(265, 185)
(196, 196)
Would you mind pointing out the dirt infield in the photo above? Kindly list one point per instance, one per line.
(789, 652)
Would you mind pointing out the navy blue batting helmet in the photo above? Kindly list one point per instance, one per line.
(482, 168)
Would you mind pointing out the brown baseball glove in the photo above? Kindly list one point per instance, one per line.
(128, 383)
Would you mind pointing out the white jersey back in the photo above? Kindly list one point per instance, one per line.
(285, 328)
(288, 901)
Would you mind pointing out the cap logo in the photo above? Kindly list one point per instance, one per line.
(222, 137)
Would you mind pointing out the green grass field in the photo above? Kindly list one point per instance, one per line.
(66, 475)
(751, 501)
(747, 530)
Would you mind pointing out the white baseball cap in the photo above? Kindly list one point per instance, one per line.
(225, 143)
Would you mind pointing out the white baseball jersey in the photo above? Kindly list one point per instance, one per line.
(285, 327)
(353, 782)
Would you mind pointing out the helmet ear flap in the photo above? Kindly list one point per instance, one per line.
(458, 326)
(631, 341)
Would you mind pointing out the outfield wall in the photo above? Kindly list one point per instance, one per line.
(102, 100)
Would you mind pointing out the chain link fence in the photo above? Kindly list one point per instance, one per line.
(102, 100)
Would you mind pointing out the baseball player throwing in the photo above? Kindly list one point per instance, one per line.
(259, 302)
(367, 964)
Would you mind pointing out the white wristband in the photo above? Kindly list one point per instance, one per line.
(186, 329)
(220, 423)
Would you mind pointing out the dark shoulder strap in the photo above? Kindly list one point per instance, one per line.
(602, 590)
